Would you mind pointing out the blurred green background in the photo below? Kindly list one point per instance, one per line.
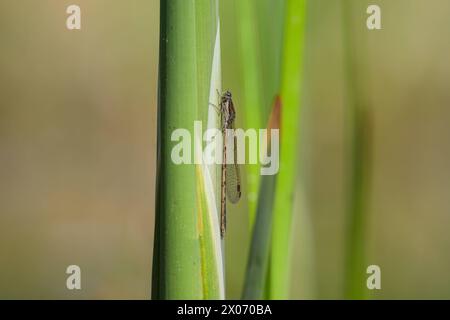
(78, 149)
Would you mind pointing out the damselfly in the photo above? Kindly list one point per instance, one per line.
(230, 181)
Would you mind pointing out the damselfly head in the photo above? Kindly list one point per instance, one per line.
(227, 94)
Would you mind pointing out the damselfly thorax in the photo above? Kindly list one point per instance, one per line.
(228, 113)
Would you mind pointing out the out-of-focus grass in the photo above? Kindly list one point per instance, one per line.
(255, 286)
(291, 78)
(252, 103)
(358, 123)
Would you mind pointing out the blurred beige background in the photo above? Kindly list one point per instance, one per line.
(77, 149)
(77, 139)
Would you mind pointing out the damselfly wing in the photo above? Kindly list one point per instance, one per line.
(233, 179)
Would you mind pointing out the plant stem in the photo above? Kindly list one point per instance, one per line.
(187, 260)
